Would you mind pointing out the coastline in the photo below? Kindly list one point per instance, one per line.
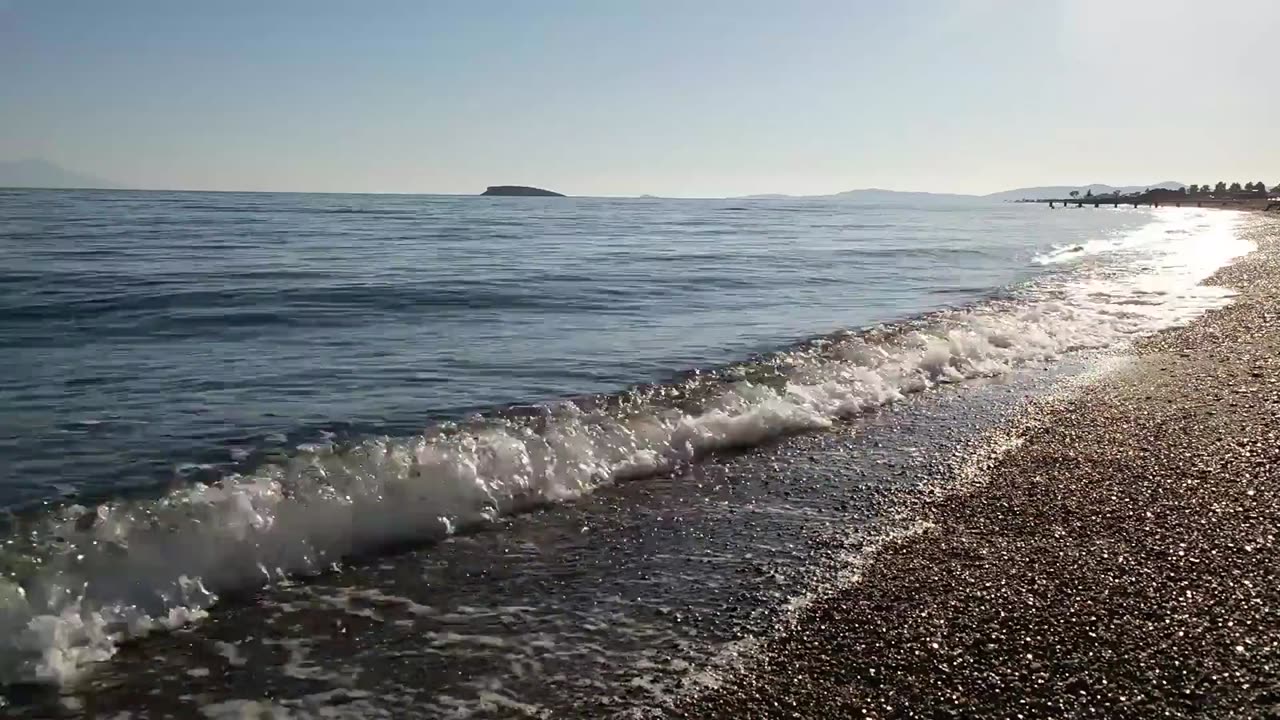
(1255, 204)
(1247, 204)
(1119, 562)
(621, 590)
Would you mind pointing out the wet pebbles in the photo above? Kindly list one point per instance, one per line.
(1121, 562)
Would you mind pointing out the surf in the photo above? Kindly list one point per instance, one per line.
(79, 579)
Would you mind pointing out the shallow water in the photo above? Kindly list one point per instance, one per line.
(213, 393)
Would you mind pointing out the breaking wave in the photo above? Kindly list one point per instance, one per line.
(77, 579)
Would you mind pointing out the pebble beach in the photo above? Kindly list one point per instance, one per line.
(1115, 557)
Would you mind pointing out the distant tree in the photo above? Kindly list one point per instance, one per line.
(1221, 187)
(1235, 187)
(1193, 189)
(1276, 189)
(1075, 193)
(1259, 187)
(1248, 187)
(1088, 193)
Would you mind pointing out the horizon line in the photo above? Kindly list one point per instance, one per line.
(646, 195)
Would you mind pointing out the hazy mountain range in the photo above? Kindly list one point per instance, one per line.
(39, 173)
(1028, 193)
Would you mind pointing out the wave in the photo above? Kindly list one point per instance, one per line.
(1152, 235)
(76, 580)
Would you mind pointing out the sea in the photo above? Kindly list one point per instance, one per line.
(359, 456)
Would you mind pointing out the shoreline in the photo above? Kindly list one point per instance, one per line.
(1121, 561)
(630, 585)
(1246, 204)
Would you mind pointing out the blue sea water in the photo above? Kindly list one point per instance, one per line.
(203, 393)
(146, 331)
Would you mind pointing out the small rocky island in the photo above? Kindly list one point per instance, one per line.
(519, 191)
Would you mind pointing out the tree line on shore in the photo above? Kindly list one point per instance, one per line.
(1221, 189)
(1234, 188)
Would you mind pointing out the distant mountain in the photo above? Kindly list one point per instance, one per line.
(882, 196)
(1061, 191)
(872, 195)
(877, 195)
(36, 173)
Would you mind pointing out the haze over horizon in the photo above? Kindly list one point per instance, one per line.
(715, 100)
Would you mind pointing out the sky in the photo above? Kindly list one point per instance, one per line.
(675, 98)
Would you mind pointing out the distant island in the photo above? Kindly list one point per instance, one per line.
(519, 191)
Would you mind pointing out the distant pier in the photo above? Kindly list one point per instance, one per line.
(1116, 202)
(1166, 198)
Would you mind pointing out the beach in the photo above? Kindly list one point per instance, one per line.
(1118, 561)
(350, 546)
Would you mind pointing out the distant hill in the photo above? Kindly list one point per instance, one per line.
(36, 173)
(877, 195)
(519, 191)
(1061, 191)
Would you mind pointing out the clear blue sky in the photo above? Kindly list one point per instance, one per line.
(604, 97)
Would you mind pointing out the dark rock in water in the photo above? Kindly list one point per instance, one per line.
(519, 191)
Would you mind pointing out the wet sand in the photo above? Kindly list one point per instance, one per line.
(1121, 561)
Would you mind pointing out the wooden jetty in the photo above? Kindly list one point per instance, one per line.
(1118, 201)
(1175, 200)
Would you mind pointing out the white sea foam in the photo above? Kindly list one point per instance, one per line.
(133, 566)
(1155, 236)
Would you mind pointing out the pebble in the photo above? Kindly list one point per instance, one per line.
(1120, 563)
